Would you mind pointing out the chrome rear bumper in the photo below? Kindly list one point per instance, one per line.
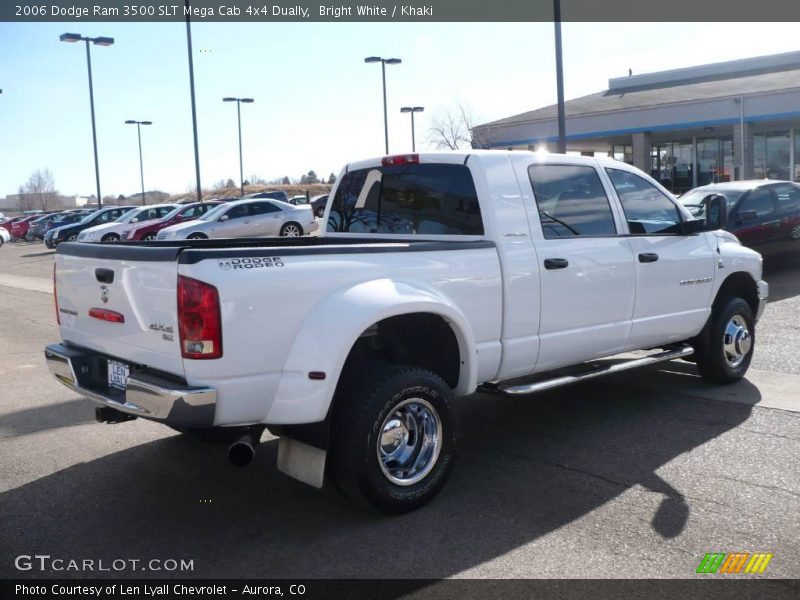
(147, 395)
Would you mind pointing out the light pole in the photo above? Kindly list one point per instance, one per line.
(384, 62)
(562, 135)
(239, 117)
(97, 41)
(412, 110)
(141, 164)
(187, 11)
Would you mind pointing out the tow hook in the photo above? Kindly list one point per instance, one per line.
(243, 450)
(106, 414)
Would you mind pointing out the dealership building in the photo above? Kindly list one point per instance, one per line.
(686, 127)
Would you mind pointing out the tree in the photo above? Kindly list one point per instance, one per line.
(311, 177)
(454, 129)
(332, 178)
(230, 183)
(39, 192)
(285, 180)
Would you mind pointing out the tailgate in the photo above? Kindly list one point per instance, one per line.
(142, 291)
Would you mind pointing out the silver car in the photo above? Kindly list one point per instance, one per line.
(246, 218)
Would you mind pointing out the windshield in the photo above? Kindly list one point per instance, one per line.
(172, 213)
(214, 213)
(130, 215)
(90, 216)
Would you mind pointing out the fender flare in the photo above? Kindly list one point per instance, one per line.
(329, 332)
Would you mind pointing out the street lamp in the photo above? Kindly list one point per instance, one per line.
(239, 117)
(141, 164)
(384, 62)
(98, 41)
(412, 110)
(562, 135)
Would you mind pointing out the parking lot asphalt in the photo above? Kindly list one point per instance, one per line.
(636, 475)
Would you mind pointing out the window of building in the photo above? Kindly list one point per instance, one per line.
(432, 199)
(647, 209)
(622, 153)
(714, 160)
(771, 154)
(571, 201)
(796, 155)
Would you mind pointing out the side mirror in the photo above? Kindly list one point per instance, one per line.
(716, 212)
(747, 215)
(135, 220)
(224, 218)
(715, 208)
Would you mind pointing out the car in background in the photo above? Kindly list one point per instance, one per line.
(318, 204)
(275, 195)
(38, 226)
(182, 213)
(67, 217)
(297, 200)
(244, 219)
(112, 232)
(8, 224)
(20, 228)
(70, 232)
(4, 236)
(763, 214)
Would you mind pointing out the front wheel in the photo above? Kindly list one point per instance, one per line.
(726, 357)
(197, 236)
(395, 436)
(291, 230)
(111, 238)
(150, 237)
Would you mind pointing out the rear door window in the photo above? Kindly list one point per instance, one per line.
(571, 201)
(413, 199)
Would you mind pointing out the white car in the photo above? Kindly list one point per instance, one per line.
(112, 232)
(246, 218)
(4, 236)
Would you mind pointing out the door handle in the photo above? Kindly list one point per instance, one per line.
(648, 257)
(104, 275)
(246, 221)
(555, 263)
(775, 222)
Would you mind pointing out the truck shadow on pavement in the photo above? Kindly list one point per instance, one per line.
(528, 467)
(51, 416)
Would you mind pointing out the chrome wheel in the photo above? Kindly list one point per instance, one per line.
(795, 232)
(150, 237)
(409, 442)
(291, 230)
(736, 341)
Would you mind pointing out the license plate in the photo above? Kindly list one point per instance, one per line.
(117, 374)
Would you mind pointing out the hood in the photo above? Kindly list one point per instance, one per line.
(186, 225)
(100, 229)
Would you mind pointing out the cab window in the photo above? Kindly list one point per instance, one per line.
(647, 209)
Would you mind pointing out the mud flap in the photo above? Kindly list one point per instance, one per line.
(301, 461)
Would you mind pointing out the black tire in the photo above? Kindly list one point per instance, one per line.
(111, 238)
(197, 236)
(288, 228)
(150, 237)
(71, 237)
(726, 357)
(2, 241)
(365, 400)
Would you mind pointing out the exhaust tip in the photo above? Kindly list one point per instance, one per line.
(241, 453)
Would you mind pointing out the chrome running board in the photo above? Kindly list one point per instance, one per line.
(547, 384)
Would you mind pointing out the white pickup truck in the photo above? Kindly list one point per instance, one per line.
(436, 274)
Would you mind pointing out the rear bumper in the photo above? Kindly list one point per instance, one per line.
(763, 295)
(147, 395)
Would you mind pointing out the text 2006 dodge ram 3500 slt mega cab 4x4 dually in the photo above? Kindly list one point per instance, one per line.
(436, 273)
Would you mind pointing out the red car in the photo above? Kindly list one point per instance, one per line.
(20, 228)
(185, 212)
(7, 224)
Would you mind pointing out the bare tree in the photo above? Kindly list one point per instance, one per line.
(39, 192)
(454, 129)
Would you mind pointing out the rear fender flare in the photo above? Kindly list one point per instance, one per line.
(329, 332)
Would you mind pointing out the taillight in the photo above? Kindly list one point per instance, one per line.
(400, 159)
(104, 314)
(55, 295)
(199, 319)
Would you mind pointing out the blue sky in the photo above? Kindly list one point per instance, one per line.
(317, 105)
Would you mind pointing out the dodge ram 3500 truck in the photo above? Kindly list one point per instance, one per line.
(436, 274)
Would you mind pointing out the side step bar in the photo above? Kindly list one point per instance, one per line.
(547, 384)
